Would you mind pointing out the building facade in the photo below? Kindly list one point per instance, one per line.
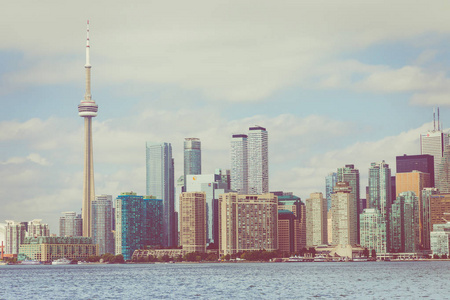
(193, 221)
(415, 181)
(52, 248)
(423, 163)
(70, 224)
(258, 161)
(373, 230)
(139, 223)
(192, 157)
(290, 202)
(440, 239)
(433, 143)
(15, 233)
(316, 220)
(344, 227)
(330, 182)
(444, 171)
(247, 223)
(102, 218)
(37, 228)
(239, 163)
(286, 231)
(160, 184)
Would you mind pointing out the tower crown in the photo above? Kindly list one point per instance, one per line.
(87, 107)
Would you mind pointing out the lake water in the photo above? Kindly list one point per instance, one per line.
(365, 280)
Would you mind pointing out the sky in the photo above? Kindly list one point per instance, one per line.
(334, 83)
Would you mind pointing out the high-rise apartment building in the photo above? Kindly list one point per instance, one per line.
(344, 227)
(70, 224)
(316, 220)
(213, 186)
(258, 161)
(380, 199)
(15, 233)
(286, 231)
(160, 184)
(37, 228)
(193, 221)
(415, 181)
(351, 175)
(192, 157)
(102, 217)
(139, 223)
(87, 109)
(330, 182)
(239, 163)
(247, 223)
(404, 223)
(373, 230)
(423, 163)
(426, 225)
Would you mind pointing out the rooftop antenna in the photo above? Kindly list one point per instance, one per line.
(434, 118)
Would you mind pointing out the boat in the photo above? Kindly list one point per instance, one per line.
(61, 261)
(30, 262)
(82, 262)
(295, 259)
(320, 258)
(359, 259)
(3, 263)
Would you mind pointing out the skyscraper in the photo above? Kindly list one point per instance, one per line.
(404, 223)
(316, 220)
(239, 164)
(102, 223)
(87, 109)
(444, 172)
(258, 161)
(415, 181)
(14, 235)
(193, 221)
(343, 226)
(423, 163)
(160, 184)
(70, 224)
(380, 200)
(351, 175)
(192, 157)
(433, 142)
(330, 182)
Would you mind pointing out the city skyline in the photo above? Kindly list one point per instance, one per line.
(330, 93)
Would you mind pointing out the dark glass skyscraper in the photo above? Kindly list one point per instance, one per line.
(192, 157)
(423, 163)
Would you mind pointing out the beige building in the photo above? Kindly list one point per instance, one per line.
(344, 227)
(439, 209)
(247, 223)
(316, 220)
(414, 181)
(193, 221)
(52, 248)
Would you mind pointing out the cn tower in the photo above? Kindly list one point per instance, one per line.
(87, 109)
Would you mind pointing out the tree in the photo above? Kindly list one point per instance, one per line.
(118, 259)
(366, 252)
(374, 253)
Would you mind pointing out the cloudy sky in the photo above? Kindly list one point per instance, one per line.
(334, 82)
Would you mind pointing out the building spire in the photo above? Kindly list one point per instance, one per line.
(88, 95)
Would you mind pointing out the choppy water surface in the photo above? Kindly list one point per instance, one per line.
(369, 280)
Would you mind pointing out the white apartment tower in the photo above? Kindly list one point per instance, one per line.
(258, 161)
(239, 164)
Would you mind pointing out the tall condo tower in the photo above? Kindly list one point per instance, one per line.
(258, 161)
(87, 109)
(192, 158)
(239, 164)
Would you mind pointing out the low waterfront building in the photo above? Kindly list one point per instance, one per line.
(52, 248)
(440, 239)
